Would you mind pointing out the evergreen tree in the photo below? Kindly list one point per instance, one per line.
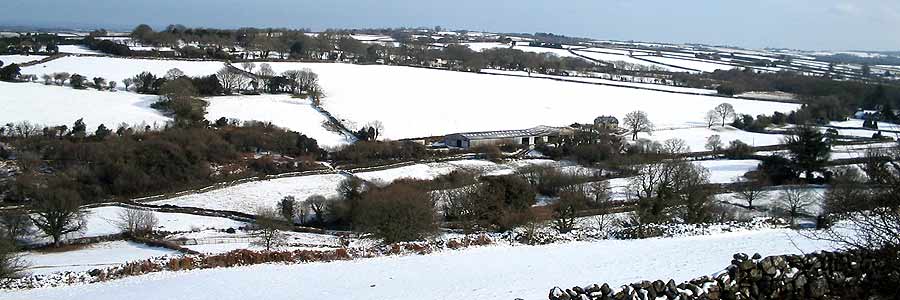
(808, 148)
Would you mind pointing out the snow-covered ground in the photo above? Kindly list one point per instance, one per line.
(492, 272)
(726, 171)
(696, 137)
(608, 57)
(19, 59)
(210, 241)
(554, 51)
(478, 47)
(102, 221)
(415, 102)
(770, 199)
(248, 197)
(605, 81)
(120, 68)
(94, 256)
(55, 105)
(77, 49)
(690, 64)
(282, 110)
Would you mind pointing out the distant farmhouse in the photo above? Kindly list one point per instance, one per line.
(606, 122)
(523, 137)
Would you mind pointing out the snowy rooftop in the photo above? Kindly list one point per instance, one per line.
(501, 134)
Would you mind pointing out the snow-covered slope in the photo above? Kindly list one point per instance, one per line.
(55, 105)
(415, 102)
(248, 197)
(493, 272)
(120, 68)
(19, 59)
(94, 256)
(282, 110)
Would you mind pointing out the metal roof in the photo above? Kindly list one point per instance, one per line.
(505, 134)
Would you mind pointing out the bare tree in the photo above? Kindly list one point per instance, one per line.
(47, 79)
(248, 66)
(15, 224)
(11, 264)
(714, 143)
(750, 190)
(711, 118)
(136, 222)
(304, 80)
(724, 112)
(174, 73)
(378, 128)
(127, 82)
(231, 80)
(265, 74)
(269, 235)
(794, 200)
(318, 205)
(637, 121)
(57, 213)
(112, 85)
(868, 210)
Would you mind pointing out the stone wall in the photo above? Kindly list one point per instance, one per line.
(824, 275)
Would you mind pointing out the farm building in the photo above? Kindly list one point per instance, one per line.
(525, 137)
(606, 122)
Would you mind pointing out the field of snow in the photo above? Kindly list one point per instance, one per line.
(77, 49)
(726, 171)
(628, 59)
(282, 110)
(492, 272)
(94, 256)
(605, 81)
(55, 105)
(557, 52)
(770, 199)
(478, 47)
(248, 197)
(102, 221)
(695, 137)
(690, 64)
(19, 59)
(120, 68)
(415, 102)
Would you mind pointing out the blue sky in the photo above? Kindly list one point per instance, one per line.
(801, 24)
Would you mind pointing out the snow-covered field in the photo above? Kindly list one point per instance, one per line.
(696, 137)
(283, 110)
(628, 59)
(492, 272)
(726, 171)
(554, 51)
(77, 49)
(120, 68)
(102, 221)
(55, 105)
(248, 197)
(19, 59)
(605, 81)
(770, 199)
(94, 256)
(415, 102)
(690, 64)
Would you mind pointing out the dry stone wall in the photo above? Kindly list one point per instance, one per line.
(823, 275)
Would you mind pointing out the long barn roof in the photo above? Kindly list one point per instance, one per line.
(505, 134)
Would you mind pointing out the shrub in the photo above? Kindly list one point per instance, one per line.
(396, 213)
(738, 149)
(136, 222)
